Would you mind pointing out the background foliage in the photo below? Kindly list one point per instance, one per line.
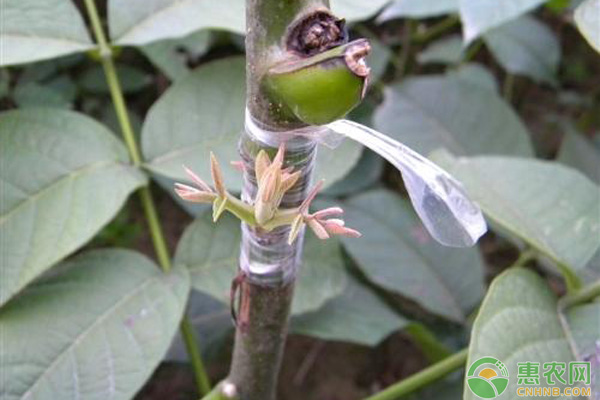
(502, 94)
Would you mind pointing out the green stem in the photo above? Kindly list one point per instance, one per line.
(472, 51)
(189, 338)
(156, 232)
(507, 91)
(402, 64)
(423, 378)
(436, 29)
(146, 199)
(587, 294)
(524, 258)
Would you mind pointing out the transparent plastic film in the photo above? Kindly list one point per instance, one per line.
(440, 200)
(266, 257)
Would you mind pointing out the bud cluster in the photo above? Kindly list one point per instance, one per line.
(273, 181)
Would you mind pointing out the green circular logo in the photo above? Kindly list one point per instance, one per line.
(487, 378)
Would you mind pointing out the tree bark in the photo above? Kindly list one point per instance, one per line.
(268, 263)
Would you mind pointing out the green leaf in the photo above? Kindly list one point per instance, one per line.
(417, 9)
(132, 79)
(365, 174)
(39, 29)
(32, 94)
(587, 18)
(139, 22)
(211, 251)
(447, 50)
(432, 112)
(172, 56)
(479, 16)
(551, 207)
(475, 74)
(357, 10)
(205, 112)
(357, 316)
(212, 323)
(584, 321)
(63, 177)
(525, 46)
(580, 153)
(396, 253)
(96, 331)
(519, 322)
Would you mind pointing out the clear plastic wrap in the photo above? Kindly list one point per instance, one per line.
(440, 200)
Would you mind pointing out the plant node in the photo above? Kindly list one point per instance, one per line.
(273, 181)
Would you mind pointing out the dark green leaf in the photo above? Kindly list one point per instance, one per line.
(479, 16)
(365, 174)
(428, 113)
(551, 207)
(39, 29)
(96, 331)
(358, 316)
(172, 56)
(448, 50)
(212, 323)
(211, 252)
(580, 153)
(63, 177)
(527, 47)
(397, 253)
(519, 323)
(417, 9)
(475, 74)
(132, 79)
(139, 22)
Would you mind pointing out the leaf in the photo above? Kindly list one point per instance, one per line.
(580, 153)
(519, 322)
(211, 320)
(358, 315)
(448, 50)
(132, 79)
(396, 253)
(32, 94)
(417, 9)
(205, 112)
(525, 46)
(479, 16)
(139, 22)
(172, 56)
(475, 74)
(432, 112)
(365, 174)
(63, 177)
(39, 29)
(584, 321)
(96, 331)
(587, 19)
(551, 207)
(211, 251)
(357, 10)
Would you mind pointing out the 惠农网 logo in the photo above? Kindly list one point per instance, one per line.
(487, 378)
